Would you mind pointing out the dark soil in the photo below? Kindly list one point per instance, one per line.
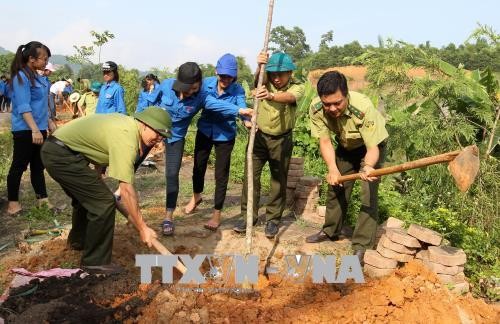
(76, 300)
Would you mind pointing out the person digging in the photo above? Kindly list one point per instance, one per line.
(361, 133)
(112, 140)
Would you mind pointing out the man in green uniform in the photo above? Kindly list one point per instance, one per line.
(88, 101)
(361, 134)
(273, 139)
(112, 140)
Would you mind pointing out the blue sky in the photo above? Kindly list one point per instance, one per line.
(165, 34)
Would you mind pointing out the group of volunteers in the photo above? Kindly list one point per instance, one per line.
(110, 138)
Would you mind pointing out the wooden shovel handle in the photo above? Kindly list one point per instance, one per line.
(445, 157)
(164, 251)
(156, 244)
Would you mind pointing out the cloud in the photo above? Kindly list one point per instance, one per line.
(76, 33)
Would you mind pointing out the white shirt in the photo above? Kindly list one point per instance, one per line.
(58, 87)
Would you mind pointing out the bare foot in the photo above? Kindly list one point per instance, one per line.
(45, 201)
(14, 207)
(193, 203)
(214, 222)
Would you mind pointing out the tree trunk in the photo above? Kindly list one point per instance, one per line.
(493, 132)
(252, 137)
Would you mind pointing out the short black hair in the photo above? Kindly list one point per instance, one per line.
(331, 82)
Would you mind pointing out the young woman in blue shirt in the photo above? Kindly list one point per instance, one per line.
(29, 93)
(219, 132)
(111, 97)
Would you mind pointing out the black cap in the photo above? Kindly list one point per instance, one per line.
(189, 73)
(109, 66)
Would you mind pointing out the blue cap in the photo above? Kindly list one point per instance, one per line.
(227, 65)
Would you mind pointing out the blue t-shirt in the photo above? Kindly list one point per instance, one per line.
(218, 119)
(181, 111)
(29, 98)
(147, 99)
(111, 99)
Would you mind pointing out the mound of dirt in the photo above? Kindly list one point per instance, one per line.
(411, 295)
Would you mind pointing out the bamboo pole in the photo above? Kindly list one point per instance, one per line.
(252, 137)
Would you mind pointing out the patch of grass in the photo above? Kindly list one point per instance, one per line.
(5, 158)
(40, 217)
(67, 265)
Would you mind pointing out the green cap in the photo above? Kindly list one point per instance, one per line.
(156, 118)
(280, 62)
(95, 86)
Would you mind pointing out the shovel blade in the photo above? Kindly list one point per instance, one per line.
(464, 167)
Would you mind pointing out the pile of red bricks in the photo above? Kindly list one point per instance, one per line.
(306, 197)
(295, 172)
(397, 246)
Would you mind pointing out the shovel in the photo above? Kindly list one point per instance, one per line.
(463, 166)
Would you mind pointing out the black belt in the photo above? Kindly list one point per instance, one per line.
(54, 140)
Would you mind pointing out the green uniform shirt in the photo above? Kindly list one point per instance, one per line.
(360, 124)
(88, 101)
(105, 139)
(278, 118)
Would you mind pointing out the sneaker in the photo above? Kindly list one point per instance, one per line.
(271, 230)
(241, 226)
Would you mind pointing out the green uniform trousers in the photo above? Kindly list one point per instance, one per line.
(349, 162)
(277, 150)
(93, 203)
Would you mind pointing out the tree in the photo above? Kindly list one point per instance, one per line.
(245, 74)
(162, 74)
(292, 42)
(82, 56)
(64, 72)
(131, 83)
(325, 39)
(100, 40)
(5, 63)
(207, 69)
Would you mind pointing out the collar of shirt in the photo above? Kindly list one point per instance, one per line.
(110, 84)
(210, 86)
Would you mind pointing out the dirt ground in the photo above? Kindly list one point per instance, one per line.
(410, 295)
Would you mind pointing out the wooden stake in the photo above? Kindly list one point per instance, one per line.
(252, 137)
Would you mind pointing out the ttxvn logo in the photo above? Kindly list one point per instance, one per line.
(220, 268)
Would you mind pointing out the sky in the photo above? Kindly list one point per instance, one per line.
(165, 34)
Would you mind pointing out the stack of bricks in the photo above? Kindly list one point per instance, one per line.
(306, 198)
(448, 263)
(295, 172)
(397, 246)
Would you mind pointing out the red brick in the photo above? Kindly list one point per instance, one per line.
(296, 167)
(400, 236)
(447, 255)
(309, 181)
(295, 173)
(297, 160)
(424, 234)
(455, 279)
(374, 258)
(374, 272)
(394, 255)
(442, 269)
(387, 243)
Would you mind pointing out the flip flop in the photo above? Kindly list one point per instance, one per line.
(168, 228)
(210, 227)
(194, 208)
